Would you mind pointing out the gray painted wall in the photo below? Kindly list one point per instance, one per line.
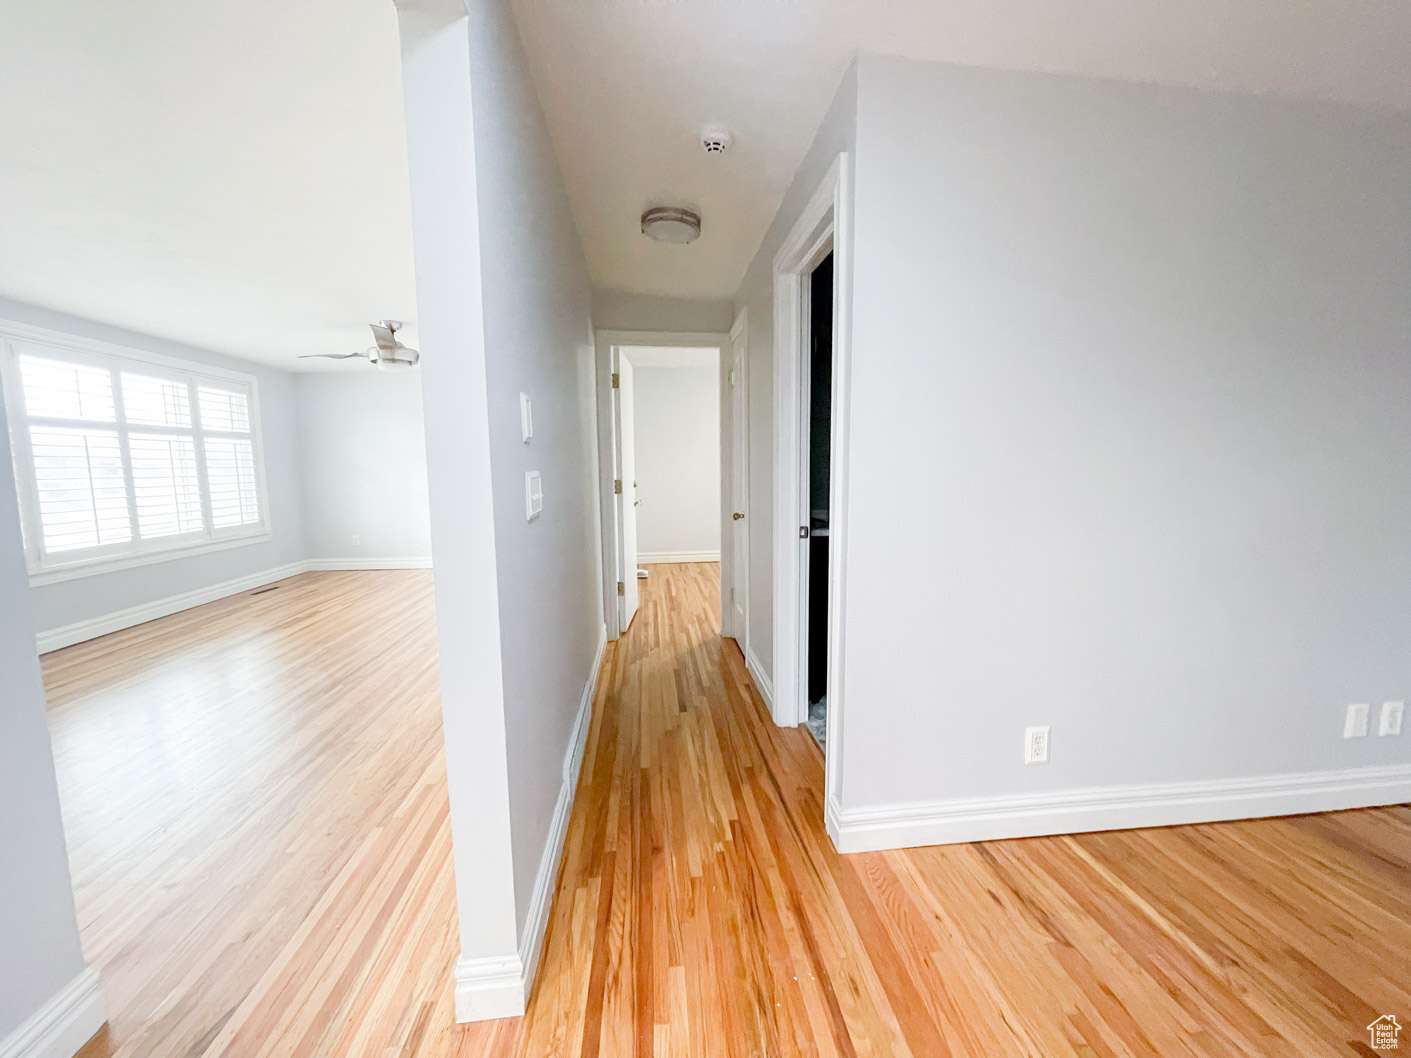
(56, 605)
(678, 458)
(39, 948)
(538, 340)
(619, 310)
(1131, 433)
(362, 459)
(837, 133)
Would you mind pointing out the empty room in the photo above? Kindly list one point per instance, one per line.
(801, 528)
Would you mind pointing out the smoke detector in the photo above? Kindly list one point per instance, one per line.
(671, 224)
(716, 138)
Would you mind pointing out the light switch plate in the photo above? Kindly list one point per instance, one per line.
(1390, 723)
(1354, 725)
(526, 418)
(533, 495)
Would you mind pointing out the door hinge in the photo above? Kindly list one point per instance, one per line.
(732, 594)
(617, 487)
(616, 378)
(621, 588)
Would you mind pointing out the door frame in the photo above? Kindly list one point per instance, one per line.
(606, 342)
(824, 226)
(730, 433)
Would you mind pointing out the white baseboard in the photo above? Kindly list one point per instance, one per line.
(368, 563)
(761, 678)
(499, 986)
(63, 1024)
(646, 558)
(1115, 808)
(93, 627)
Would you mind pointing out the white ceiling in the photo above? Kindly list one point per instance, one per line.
(627, 86)
(232, 175)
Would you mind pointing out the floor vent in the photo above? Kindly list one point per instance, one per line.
(261, 591)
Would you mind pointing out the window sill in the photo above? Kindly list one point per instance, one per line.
(113, 565)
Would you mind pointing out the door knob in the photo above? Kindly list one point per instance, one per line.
(636, 503)
(737, 515)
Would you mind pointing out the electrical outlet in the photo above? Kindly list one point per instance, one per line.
(1355, 726)
(1036, 745)
(357, 540)
(1390, 723)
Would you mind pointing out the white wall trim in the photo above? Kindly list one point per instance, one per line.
(489, 988)
(499, 986)
(760, 675)
(93, 627)
(647, 557)
(413, 562)
(1115, 808)
(63, 1024)
(824, 225)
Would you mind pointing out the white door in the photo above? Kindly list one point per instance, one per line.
(628, 499)
(739, 487)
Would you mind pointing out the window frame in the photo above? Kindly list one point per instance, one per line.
(46, 569)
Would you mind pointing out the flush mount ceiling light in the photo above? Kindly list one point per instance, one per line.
(671, 224)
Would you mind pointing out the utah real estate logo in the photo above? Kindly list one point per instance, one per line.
(1384, 1032)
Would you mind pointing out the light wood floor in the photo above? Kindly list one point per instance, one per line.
(257, 819)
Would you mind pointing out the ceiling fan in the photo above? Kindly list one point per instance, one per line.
(387, 355)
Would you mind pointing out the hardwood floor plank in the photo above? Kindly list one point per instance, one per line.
(258, 825)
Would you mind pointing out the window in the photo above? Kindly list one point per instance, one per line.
(123, 457)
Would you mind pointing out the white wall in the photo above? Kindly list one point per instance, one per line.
(72, 601)
(678, 458)
(362, 461)
(39, 946)
(619, 310)
(1136, 359)
(756, 295)
(519, 610)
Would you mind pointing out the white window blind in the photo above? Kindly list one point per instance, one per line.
(119, 457)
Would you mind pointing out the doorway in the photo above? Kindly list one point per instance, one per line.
(819, 429)
(666, 478)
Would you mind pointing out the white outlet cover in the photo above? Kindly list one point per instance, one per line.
(1355, 725)
(1390, 723)
(526, 418)
(1036, 745)
(533, 495)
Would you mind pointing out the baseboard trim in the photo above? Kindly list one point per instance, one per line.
(489, 988)
(647, 558)
(325, 564)
(761, 678)
(499, 986)
(93, 627)
(1117, 808)
(62, 1025)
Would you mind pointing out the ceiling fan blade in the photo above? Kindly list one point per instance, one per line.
(385, 337)
(330, 356)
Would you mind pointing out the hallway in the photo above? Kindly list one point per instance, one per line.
(257, 816)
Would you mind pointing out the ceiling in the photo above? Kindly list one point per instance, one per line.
(628, 85)
(231, 175)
